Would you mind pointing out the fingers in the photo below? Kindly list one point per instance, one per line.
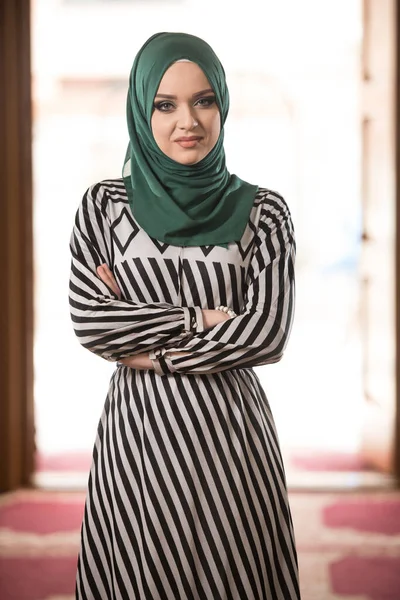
(104, 267)
(108, 278)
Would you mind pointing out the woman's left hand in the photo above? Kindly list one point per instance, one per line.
(142, 361)
(106, 275)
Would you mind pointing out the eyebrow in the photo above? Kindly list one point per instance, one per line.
(171, 97)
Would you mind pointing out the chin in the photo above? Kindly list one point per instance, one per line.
(188, 159)
(188, 162)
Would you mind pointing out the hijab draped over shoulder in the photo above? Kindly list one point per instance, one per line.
(182, 205)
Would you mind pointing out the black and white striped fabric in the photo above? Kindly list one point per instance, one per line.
(187, 495)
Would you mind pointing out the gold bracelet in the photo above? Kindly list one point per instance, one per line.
(227, 310)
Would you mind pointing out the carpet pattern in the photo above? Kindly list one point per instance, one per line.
(348, 545)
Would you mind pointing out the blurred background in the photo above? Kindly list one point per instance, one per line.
(295, 75)
(315, 89)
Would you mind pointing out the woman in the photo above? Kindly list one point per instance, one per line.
(183, 275)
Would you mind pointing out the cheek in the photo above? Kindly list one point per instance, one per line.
(159, 128)
(215, 127)
(155, 126)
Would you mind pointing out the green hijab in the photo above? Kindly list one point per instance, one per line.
(182, 205)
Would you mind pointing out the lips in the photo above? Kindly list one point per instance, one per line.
(191, 138)
(188, 142)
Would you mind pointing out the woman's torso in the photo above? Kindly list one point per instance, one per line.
(148, 270)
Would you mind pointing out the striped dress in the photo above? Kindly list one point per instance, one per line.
(186, 496)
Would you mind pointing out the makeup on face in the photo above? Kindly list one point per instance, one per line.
(186, 122)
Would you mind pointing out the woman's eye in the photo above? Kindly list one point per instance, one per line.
(164, 106)
(206, 102)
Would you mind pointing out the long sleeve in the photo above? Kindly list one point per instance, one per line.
(105, 325)
(258, 335)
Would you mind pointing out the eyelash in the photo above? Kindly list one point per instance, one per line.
(209, 102)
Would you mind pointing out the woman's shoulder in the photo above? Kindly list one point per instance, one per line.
(112, 189)
(266, 196)
(271, 202)
(106, 197)
(274, 212)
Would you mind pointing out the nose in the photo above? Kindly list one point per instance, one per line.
(186, 118)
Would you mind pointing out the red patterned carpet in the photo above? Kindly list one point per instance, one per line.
(349, 545)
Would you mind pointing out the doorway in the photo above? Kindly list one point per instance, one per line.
(296, 103)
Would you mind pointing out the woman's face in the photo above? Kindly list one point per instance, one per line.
(186, 122)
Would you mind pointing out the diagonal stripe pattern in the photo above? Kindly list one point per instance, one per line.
(187, 495)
